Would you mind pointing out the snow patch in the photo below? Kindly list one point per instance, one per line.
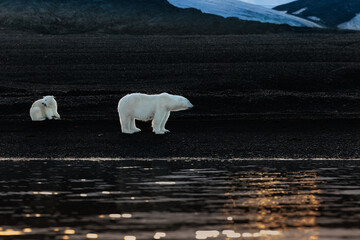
(268, 3)
(314, 18)
(353, 24)
(244, 11)
(300, 11)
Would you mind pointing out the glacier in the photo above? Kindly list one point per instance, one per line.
(244, 11)
(268, 3)
(353, 24)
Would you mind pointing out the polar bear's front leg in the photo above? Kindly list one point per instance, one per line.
(163, 122)
(56, 116)
(156, 123)
(49, 113)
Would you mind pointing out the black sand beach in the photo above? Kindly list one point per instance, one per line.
(263, 96)
(189, 138)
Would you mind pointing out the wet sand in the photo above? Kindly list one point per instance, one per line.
(275, 95)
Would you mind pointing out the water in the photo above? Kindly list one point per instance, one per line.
(179, 200)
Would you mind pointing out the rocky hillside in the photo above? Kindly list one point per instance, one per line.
(119, 16)
(331, 13)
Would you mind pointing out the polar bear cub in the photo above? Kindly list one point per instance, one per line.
(44, 108)
(143, 107)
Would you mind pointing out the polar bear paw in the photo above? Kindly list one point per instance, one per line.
(159, 132)
(135, 130)
(128, 132)
(132, 131)
(39, 120)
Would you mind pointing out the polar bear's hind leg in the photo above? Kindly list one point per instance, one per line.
(36, 114)
(125, 122)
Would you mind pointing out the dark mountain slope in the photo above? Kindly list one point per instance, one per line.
(331, 12)
(119, 16)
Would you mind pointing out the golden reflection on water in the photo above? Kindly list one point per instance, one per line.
(231, 234)
(92, 235)
(269, 208)
(159, 235)
(129, 238)
(207, 234)
(69, 231)
(10, 232)
(115, 215)
(45, 193)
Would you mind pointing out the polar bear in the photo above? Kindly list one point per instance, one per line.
(143, 107)
(44, 108)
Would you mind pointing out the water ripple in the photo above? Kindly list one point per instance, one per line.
(183, 199)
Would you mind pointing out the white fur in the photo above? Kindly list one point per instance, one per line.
(143, 107)
(44, 108)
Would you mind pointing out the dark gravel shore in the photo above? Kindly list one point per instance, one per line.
(188, 138)
(275, 95)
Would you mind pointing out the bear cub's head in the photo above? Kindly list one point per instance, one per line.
(48, 101)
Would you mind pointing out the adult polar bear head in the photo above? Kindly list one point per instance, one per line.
(144, 107)
(175, 103)
(45, 108)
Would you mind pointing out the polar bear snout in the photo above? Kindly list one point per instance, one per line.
(188, 104)
(43, 104)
